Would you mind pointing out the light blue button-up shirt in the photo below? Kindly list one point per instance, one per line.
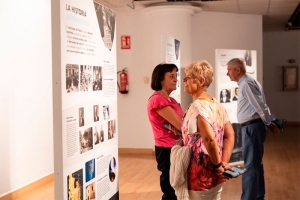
(252, 102)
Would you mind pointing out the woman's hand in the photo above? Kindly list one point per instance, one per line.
(179, 142)
(223, 168)
(226, 166)
(220, 170)
(173, 129)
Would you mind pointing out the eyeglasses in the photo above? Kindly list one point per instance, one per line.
(186, 78)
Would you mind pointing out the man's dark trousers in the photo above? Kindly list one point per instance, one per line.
(253, 138)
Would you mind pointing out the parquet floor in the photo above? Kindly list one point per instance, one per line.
(139, 179)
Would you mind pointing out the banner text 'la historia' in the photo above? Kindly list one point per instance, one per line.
(76, 10)
(75, 19)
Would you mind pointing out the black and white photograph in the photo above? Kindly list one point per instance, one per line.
(106, 21)
(177, 48)
(248, 58)
(248, 62)
(96, 136)
(86, 79)
(81, 117)
(111, 126)
(106, 112)
(72, 78)
(86, 139)
(96, 113)
(225, 96)
(101, 133)
(97, 78)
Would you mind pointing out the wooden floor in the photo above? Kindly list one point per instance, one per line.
(139, 178)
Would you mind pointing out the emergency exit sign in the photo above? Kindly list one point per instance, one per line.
(125, 42)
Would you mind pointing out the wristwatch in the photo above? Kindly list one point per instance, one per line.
(216, 166)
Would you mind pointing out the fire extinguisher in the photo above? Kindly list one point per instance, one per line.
(123, 86)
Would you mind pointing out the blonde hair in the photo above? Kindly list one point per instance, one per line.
(201, 69)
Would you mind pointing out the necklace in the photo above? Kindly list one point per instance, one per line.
(203, 96)
(207, 98)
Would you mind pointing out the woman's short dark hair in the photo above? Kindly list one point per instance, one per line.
(159, 73)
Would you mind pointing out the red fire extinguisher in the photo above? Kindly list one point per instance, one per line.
(123, 87)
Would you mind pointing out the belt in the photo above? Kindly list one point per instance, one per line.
(251, 122)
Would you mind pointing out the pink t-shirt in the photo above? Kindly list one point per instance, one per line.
(161, 135)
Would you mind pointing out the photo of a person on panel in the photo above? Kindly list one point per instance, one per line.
(81, 117)
(96, 136)
(225, 96)
(235, 93)
(96, 113)
(177, 48)
(248, 58)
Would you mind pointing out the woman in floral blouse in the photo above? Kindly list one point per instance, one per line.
(207, 130)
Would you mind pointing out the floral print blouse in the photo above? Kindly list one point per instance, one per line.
(201, 175)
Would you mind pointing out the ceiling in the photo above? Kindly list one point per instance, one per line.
(276, 13)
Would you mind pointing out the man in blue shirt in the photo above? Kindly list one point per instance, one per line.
(255, 117)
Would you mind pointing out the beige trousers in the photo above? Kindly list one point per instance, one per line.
(212, 194)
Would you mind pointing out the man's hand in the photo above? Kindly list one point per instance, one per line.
(274, 128)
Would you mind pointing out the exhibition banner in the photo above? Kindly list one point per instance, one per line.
(171, 54)
(227, 90)
(89, 127)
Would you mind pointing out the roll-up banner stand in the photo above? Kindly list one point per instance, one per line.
(84, 100)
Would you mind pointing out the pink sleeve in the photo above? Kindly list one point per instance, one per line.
(158, 102)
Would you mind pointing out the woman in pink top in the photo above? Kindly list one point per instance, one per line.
(164, 109)
(207, 130)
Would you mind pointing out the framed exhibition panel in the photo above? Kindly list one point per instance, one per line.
(290, 78)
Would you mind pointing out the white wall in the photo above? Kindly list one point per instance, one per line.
(213, 30)
(26, 151)
(209, 31)
(134, 131)
(279, 47)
